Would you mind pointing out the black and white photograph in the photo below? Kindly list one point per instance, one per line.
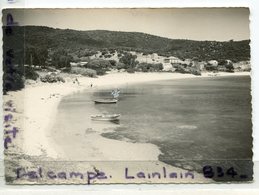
(127, 96)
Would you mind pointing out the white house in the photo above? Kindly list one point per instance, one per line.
(213, 63)
(83, 63)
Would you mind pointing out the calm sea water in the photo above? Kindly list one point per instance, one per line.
(194, 122)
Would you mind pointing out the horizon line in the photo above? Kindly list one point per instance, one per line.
(132, 32)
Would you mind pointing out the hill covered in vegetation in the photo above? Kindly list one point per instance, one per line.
(43, 38)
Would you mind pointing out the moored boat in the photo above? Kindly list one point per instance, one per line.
(106, 101)
(105, 117)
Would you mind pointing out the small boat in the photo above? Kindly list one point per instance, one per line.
(105, 117)
(106, 101)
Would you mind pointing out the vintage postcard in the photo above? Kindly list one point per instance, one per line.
(111, 96)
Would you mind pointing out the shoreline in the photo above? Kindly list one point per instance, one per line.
(41, 100)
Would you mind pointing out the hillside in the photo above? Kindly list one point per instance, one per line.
(43, 38)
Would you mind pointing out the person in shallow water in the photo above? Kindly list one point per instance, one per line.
(115, 93)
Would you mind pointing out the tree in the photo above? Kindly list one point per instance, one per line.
(61, 59)
(36, 56)
(230, 67)
(129, 60)
(120, 65)
(101, 66)
(113, 62)
(158, 67)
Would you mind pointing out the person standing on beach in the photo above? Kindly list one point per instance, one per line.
(76, 80)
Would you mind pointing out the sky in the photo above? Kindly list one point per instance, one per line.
(220, 24)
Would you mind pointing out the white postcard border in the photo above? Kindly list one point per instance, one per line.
(251, 188)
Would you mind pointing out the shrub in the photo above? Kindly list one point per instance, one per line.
(29, 73)
(49, 78)
(107, 55)
(210, 68)
(90, 72)
(96, 64)
(61, 58)
(52, 78)
(230, 67)
(101, 71)
(130, 70)
(61, 79)
(146, 67)
(112, 51)
(101, 66)
(120, 65)
(158, 67)
(129, 60)
(112, 62)
(104, 52)
(183, 70)
(84, 71)
(84, 59)
(194, 71)
(66, 69)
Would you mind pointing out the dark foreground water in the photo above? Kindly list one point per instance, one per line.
(194, 122)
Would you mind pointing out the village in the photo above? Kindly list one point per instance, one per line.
(169, 64)
(92, 63)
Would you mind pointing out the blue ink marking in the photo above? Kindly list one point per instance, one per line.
(8, 117)
(6, 141)
(189, 174)
(10, 20)
(92, 176)
(126, 174)
(14, 131)
(22, 173)
(158, 175)
(76, 174)
(51, 175)
(210, 172)
(8, 62)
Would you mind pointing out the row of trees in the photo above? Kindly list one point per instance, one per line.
(127, 62)
(62, 59)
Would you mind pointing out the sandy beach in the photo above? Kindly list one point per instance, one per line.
(37, 104)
